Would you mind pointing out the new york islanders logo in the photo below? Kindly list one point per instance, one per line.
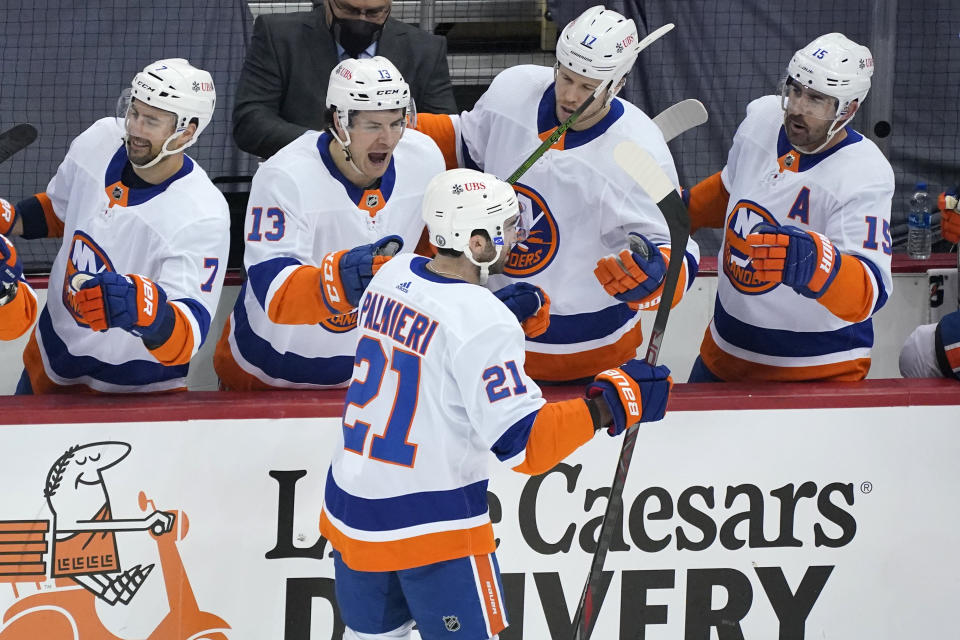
(746, 215)
(85, 256)
(341, 323)
(534, 254)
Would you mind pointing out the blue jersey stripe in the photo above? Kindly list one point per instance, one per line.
(386, 514)
(791, 344)
(260, 276)
(128, 374)
(514, 440)
(580, 327)
(201, 314)
(287, 366)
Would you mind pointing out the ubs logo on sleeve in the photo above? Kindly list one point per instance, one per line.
(737, 267)
(534, 254)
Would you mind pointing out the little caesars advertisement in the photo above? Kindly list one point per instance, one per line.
(820, 523)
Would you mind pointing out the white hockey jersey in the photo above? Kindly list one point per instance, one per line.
(175, 233)
(435, 385)
(301, 208)
(768, 331)
(578, 206)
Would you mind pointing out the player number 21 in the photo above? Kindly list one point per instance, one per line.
(392, 446)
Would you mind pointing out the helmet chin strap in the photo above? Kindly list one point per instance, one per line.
(164, 150)
(484, 266)
(344, 142)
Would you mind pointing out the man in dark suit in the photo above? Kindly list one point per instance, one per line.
(283, 84)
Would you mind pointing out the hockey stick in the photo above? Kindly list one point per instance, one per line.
(681, 117)
(551, 140)
(641, 166)
(15, 139)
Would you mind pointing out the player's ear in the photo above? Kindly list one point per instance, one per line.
(186, 136)
(852, 109)
(477, 245)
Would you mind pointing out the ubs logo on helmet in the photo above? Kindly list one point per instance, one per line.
(746, 215)
(341, 323)
(538, 250)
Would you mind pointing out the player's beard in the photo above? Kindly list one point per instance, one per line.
(810, 134)
(140, 154)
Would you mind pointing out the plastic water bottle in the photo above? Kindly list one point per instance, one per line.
(919, 235)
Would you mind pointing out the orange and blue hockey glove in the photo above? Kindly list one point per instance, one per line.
(8, 217)
(804, 260)
(632, 276)
(347, 273)
(10, 267)
(530, 304)
(949, 216)
(635, 392)
(130, 302)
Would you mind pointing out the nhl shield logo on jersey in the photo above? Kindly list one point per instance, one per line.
(537, 251)
(452, 623)
(746, 215)
(372, 200)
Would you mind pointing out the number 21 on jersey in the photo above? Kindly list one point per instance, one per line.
(392, 446)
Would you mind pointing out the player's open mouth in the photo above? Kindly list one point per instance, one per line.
(796, 126)
(377, 158)
(138, 144)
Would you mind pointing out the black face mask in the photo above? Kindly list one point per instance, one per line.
(354, 35)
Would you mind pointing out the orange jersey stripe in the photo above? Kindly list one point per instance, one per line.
(558, 367)
(560, 428)
(490, 594)
(18, 315)
(439, 126)
(41, 383)
(178, 348)
(232, 377)
(54, 224)
(708, 203)
(850, 296)
(394, 555)
(733, 369)
(561, 141)
(299, 299)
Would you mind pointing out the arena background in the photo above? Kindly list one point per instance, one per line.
(63, 65)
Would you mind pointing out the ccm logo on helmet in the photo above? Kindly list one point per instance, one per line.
(387, 92)
(617, 377)
(141, 83)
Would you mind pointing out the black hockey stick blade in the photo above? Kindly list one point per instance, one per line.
(15, 139)
(551, 140)
(641, 166)
(680, 118)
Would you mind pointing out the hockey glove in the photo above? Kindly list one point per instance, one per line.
(8, 217)
(131, 302)
(949, 216)
(347, 273)
(10, 267)
(632, 275)
(804, 260)
(530, 304)
(635, 392)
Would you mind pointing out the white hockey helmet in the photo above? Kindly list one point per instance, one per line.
(835, 66)
(599, 44)
(370, 84)
(459, 201)
(176, 86)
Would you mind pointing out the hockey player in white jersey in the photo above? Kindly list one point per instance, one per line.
(18, 302)
(579, 205)
(439, 383)
(138, 277)
(322, 213)
(804, 204)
